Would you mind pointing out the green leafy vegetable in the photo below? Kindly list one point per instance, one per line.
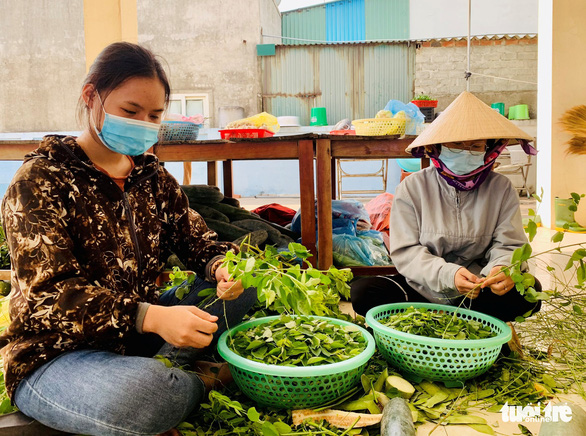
(182, 280)
(437, 324)
(298, 341)
(282, 284)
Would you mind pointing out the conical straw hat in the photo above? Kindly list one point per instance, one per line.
(466, 119)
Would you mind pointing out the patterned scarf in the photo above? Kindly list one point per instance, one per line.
(473, 180)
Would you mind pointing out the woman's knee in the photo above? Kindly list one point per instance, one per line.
(164, 397)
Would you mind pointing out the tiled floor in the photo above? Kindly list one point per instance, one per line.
(541, 244)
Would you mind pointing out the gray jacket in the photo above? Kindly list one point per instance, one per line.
(436, 229)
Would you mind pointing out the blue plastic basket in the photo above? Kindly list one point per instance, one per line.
(178, 131)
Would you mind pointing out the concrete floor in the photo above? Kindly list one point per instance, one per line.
(541, 243)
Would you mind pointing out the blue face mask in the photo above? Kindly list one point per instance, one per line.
(127, 136)
(461, 162)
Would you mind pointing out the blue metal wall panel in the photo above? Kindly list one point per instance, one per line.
(307, 23)
(350, 80)
(386, 19)
(345, 21)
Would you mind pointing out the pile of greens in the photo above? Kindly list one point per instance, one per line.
(231, 413)
(284, 279)
(287, 283)
(437, 324)
(423, 97)
(298, 341)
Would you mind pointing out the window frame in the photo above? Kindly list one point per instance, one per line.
(183, 97)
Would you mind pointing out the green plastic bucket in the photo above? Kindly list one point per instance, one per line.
(447, 360)
(294, 387)
(500, 107)
(519, 112)
(318, 117)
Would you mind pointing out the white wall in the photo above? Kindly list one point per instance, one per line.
(449, 18)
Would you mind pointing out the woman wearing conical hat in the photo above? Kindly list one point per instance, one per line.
(455, 224)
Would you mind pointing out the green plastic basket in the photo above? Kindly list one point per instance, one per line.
(294, 387)
(447, 360)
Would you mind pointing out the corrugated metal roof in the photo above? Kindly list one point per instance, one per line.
(345, 21)
(399, 40)
(387, 19)
(480, 37)
(322, 42)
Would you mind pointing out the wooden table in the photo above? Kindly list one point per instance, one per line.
(299, 147)
(332, 147)
(327, 149)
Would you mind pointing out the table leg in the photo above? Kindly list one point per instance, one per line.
(333, 178)
(212, 174)
(324, 203)
(186, 173)
(228, 184)
(307, 196)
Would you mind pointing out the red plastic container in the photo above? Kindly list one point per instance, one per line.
(343, 132)
(245, 133)
(424, 103)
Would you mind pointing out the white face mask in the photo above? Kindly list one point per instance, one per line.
(461, 162)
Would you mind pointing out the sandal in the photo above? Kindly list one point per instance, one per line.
(214, 375)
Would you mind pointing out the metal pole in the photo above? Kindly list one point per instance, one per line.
(468, 47)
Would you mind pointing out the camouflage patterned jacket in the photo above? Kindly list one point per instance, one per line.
(85, 253)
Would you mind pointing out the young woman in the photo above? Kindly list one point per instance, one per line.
(455, 224)
(90, 222)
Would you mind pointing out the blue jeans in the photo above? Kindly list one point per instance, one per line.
(95, 392)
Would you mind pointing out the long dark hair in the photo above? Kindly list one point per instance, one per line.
(117, 63)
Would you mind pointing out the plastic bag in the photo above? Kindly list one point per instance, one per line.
(263, 120)
(341, 209)
(378, 251)
(344, 226)
(361, 250)
(414, 116)
(373, 234)
(351, 209)
(379, 210)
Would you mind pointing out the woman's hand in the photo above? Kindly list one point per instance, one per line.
(498, 281)
(467, 283)
(227, 289)
(181, 326)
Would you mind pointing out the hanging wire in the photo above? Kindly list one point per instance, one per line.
(471, 73)
(468, 46)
